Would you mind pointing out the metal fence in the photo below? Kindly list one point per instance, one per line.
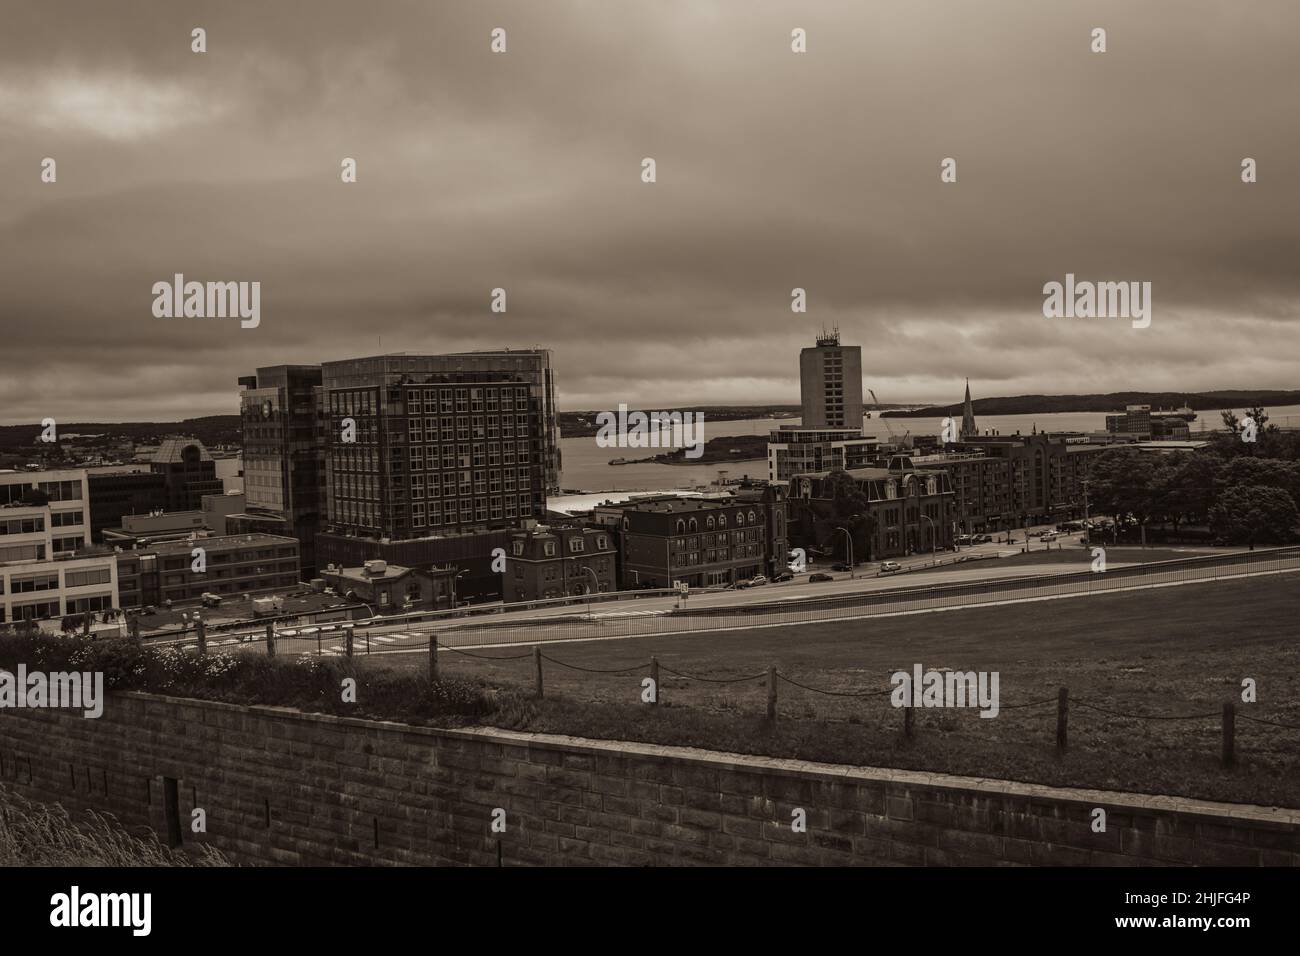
(633, 623)
(621, 621)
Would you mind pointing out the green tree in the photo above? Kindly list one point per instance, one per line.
(1254, 514)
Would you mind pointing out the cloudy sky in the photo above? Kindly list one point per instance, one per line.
(775, 170)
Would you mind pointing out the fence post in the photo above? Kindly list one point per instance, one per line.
(1229, 730)
(348, 647)
(85, 624)
(367, 642)
(201, 632)
(537, 668)
(318, 651)
(1062, 718)
(907, 721)
(135, 629)
(771, 692)
(433, 658)
(654, 680)
(270, 639)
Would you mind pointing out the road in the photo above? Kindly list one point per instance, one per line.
(766, 605)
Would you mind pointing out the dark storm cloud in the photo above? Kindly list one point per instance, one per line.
(522, 171)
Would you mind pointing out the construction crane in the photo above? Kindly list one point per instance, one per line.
(907, 436)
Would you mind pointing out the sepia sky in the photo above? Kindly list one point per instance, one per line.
(522, 170)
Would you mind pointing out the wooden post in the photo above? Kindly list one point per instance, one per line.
(771, 692)
(908, 727)
(1062, 718)
(348, 648)
(318, 651)
(85, 624)
(201, 632)
(1229, 730)
(270, 639)
(433, 658)
(537, 668)
(135, 629)
(654, 680)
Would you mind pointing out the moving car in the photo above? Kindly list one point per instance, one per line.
(888, 567)
(981, 539)
(757, 581)
(839, 567)
(783, 576)
(819, 577)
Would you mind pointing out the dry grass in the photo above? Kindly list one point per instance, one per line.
(34, 834)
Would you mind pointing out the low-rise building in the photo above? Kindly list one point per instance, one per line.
(389, 588)
(558, 561)
(707, 541)
(38, 583)
(907, 510)
(230, 565)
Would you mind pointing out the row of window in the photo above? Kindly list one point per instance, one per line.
(576, 546)
(683, 526)
(480, 509)
(466, 428)
(448, 400)
(460, 456)
(22, 525)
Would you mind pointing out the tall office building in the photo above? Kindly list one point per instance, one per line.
(284, 459)
(830, 383)
(433, 458)
(830, 436)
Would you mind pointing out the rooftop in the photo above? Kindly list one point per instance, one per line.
(216, 542)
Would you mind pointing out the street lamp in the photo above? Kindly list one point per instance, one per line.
(456, 577)
(850, 540)
(595, 580)
(934, 536)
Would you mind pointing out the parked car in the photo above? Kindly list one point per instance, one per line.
(757, 581)
(819, 577)
(1049, 535)
(964, 539)
(840, 567)
(981, 539)
(889, 567)
(783, 576)
(740, 584)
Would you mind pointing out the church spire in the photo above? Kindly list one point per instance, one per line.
(968, 429)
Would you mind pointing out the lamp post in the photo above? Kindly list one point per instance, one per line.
(934, 536)
(850, 540)
(456, 577)
(596, 581)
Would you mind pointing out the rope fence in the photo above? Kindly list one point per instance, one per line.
(771, 678)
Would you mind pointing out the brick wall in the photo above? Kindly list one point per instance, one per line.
(281, 787)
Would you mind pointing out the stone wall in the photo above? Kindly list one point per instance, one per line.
(281, 787)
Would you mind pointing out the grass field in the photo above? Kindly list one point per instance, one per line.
(1164, 651)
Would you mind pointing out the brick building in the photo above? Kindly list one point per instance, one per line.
(551, 562)
(908, 510)
(702, 542)
(235, 564)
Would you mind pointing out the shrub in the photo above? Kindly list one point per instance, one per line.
(311, 683)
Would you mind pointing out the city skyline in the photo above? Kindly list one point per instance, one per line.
(478, 171)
